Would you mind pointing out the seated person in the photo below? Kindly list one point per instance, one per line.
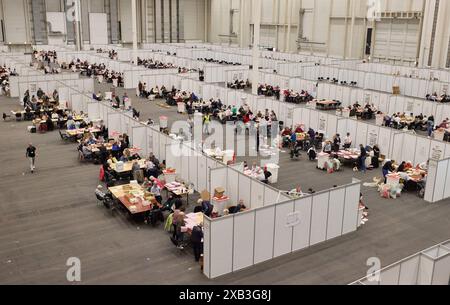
(207, 208)
(327, 147)
(87, 154)
(70, 123)
(237, 209)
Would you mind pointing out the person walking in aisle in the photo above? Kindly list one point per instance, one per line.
(31, 155)
(206, 122)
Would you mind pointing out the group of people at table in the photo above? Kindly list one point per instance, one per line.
(95, 70)
(443, 98)
(154, 64)
(364, 113)
(239, 84)
(289, 95)
(336, 150)
(47, 61)
(5, 73)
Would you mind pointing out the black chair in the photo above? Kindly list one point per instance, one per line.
(6, 116)
(198, 209)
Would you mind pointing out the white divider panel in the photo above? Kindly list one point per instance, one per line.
(397, 147)
(437, 150)
(361, 134)
(193, 170)
(409, 270)
(245, 192)
(332, 125)
(323, 123)
(139, 139)
(77, 102)
(390, 276)
(335, 212)
(426, 265)
(447, 180)
(64, 95)
(319, 218)
(127, 123)
(218, 178)
(202, 173)
(351, 208)
(233, 185)
(156, 144)
(114, 123)
(272, 196)
(264, 230)
(314, 120)
(422, 150)
(221, 247)
(441, 267)
(440, 182)
(257, 194)
(163, 141)
(372, 135)
(185, 157)
(283, 228)
(173, 159)
(409, 147)
(305, 119)
(431, 181)
(301, 232)
(93, 110)
(351, 128)
(384, 140)
(244, 233)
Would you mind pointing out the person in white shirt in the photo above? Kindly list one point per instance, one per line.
(347, 141)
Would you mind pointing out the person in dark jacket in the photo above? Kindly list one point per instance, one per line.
(362, 159)
(207, 208)
(197, 242)
(376, 157)
(387, 168)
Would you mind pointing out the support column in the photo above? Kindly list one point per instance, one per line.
(289, 20)
(241, 23)
(352, 28)
(78, 41)
(205, 37)
(134, 29)
(256, 34)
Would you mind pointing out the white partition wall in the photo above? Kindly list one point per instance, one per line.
(428, 267)
(114, 123)
(245, 239)
(438, 180)
(140, 139)
(93, 111)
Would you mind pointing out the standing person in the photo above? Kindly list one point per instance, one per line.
(257, 138)
(206, 122)
(196, 238)
(31, 154)
(156, 190)
(430, 126)
(125, 99)
(347, 141)
(363, 157)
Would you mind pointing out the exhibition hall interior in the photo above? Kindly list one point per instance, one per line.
(225, 142)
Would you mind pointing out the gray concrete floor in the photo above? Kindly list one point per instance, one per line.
(52, 215)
